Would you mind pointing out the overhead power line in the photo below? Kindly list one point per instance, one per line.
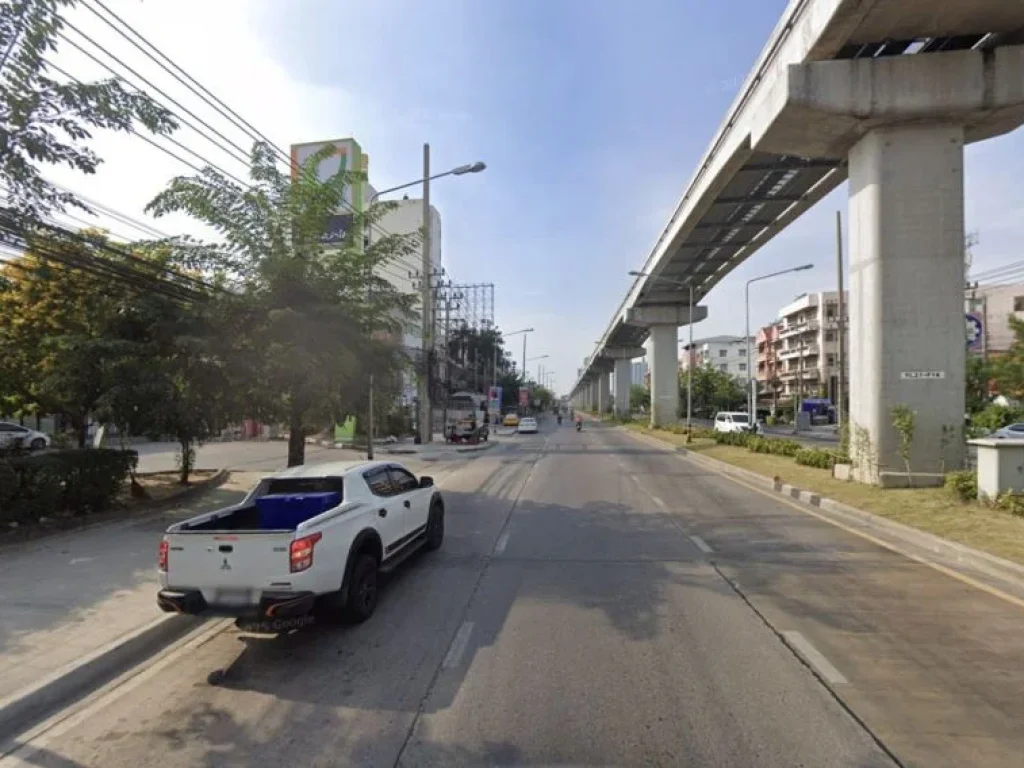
(197, 88)
(240, 154)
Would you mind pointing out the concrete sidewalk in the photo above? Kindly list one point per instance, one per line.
(79, 607)
(66, 597)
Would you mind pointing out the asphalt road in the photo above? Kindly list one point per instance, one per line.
(599, 601)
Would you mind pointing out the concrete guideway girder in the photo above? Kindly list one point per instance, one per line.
(902, 123)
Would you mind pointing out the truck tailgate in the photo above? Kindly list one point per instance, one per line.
(229, 568)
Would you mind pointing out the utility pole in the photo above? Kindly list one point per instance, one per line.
(689, 372)
(840, 323)
(447, 363)
(426, 415)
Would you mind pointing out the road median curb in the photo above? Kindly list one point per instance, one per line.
(881, 527)
(215, 480)
(26, 707)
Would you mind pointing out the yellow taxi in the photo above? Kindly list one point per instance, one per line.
(511, 420)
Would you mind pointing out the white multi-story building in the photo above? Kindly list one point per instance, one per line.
(405, 273)
(638, 373)
(405, 218)
(806, 342)
(724, 353)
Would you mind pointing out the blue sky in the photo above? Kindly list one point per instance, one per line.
(591, 116)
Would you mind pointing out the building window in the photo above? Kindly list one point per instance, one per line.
(723, 368)
(723, 352)
(829, 336)
(1018, 303)
(743, 366)
(831, 360)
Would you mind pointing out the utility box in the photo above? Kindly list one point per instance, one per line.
(1000, 466)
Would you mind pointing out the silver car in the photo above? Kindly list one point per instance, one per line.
(11, 433)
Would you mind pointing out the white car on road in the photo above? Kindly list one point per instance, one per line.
(735, 421)
(527, 425)
(10, 433)
(309, 537)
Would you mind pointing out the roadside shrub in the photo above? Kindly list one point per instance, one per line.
(995, 417)
(63, 482)
(777, 446)
(734, 438)
(1012, 502)
(815, 457)
(963, 484)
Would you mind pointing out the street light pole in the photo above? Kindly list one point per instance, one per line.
(752, 383)
(689, 372)
(426, 416)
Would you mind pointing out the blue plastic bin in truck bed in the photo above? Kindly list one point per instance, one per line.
(284, 511)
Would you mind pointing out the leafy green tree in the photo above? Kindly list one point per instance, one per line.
(640, 397)
(303, 310)
(713, 390)
(978, 375)
(47, 122)
(172, 376)
(56, 342)
(1009, 368)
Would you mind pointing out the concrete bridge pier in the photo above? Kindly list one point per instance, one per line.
(902, 123)
(664, 320)
(621, 359)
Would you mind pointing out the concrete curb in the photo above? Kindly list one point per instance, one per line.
(213, 481)
(26, 707)
(882, 528)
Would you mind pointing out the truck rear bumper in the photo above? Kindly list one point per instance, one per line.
(272, 605)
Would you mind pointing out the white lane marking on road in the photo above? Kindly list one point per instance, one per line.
(458, 646)
(701, 545)
(502, 542)
(657, 500)
(814, 657)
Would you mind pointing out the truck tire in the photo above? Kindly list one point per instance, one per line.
(435, 526)
(363, 589)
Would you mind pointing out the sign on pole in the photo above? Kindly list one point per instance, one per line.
(524, 396)
(975, 331)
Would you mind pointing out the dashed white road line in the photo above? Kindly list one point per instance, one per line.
(702, 545)
(814, 657)
(502, 542)
(458, 647)
(657, 500)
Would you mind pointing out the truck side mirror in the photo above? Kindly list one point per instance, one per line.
(426, 481)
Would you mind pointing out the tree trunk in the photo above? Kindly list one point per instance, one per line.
(82, 433)
(296, 438)
(187, 459)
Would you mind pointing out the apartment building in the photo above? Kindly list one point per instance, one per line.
(725, 353)
(638, 373)
(993, 306)
(801, 350)
(767, 357)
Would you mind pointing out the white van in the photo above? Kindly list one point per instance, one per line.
(735, 421)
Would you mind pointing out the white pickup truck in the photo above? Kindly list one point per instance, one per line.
(308, 537)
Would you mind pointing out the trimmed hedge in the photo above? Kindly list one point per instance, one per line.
(71, 482)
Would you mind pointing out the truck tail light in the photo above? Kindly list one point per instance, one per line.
(301, 552)
(162, 556)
